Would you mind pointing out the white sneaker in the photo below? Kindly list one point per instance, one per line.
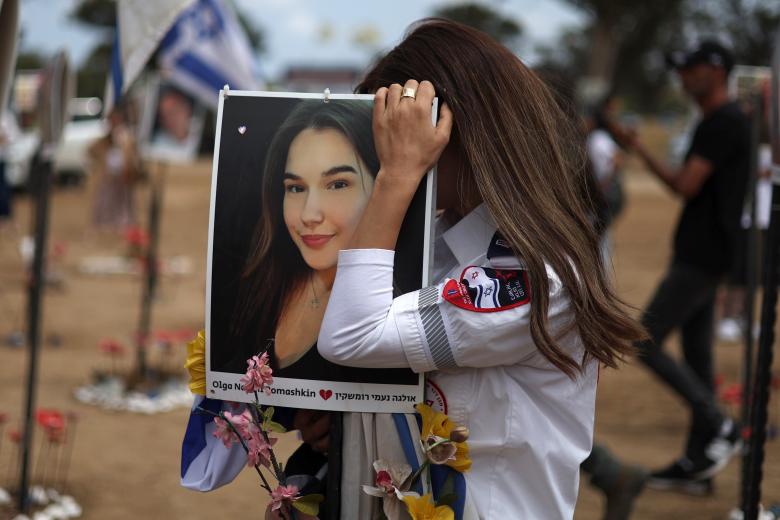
(721, 448)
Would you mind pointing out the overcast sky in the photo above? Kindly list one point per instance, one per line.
(307, 31)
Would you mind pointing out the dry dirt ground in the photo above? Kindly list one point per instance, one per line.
(126, 466)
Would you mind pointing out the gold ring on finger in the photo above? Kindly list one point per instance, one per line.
(409, 92)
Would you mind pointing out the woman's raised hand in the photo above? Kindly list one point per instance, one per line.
(407, 142)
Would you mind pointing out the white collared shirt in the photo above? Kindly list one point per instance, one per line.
(531, 425)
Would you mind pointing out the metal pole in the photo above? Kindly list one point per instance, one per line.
(37, 282)
(759, 413)
(151, 273)
(751, 264)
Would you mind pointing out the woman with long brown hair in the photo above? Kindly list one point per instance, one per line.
(512, 336)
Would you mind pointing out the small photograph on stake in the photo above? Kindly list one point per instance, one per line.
(292, 174)
(745, 82)
(172, 123)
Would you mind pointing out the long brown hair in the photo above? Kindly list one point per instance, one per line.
(275, 268)
(526, 159)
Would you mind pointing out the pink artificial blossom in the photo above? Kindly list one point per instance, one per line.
(241, 422)
(258, 376)
(283, 496)
(224, 432)
(259, 451)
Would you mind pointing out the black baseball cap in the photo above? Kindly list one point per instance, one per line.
(709, 52)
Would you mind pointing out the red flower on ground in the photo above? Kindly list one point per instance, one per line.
(732, 394)
(50, 418)
(136, 236)
(111, 347)
(165, 336)
(53, 423)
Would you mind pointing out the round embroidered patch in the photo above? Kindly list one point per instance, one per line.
(482, 289)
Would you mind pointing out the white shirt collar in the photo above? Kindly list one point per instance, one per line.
(470, 237)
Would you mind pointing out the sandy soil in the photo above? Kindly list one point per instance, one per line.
(126, 466)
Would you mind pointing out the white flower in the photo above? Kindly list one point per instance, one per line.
(388, 485)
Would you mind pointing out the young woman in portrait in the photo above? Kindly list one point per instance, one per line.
(318, 175)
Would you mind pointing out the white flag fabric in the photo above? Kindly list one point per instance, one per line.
(205, 49)
(140, 27)
(202, 47)
(9, 34)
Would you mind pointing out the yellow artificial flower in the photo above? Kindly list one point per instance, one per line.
(423, 508)
(196, 363)
(437, 423)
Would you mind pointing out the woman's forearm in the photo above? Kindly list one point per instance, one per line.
(384, 214)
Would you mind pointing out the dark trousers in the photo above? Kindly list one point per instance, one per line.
(685, 300)
(602, 466)
(5, 193)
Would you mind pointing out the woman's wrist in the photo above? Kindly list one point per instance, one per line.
(384, 214)
(397, 183)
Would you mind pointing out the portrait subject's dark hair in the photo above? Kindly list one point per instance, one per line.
(526, 158)
(275, 267)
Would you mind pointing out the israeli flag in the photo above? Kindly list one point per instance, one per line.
(205, 49)
(205, 462)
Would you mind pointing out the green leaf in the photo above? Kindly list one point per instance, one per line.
(309, 504)
(268, 414)
(275, 427)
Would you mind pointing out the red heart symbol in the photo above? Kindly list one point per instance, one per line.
(326, 394)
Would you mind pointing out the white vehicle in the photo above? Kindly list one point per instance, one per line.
(84, 128)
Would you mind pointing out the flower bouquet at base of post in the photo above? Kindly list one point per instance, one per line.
(252, 429)
(444, 443)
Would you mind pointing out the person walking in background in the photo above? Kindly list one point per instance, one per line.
(712, 182)
(606, 159)
(115, 167)
(620, 483)
(9, 131)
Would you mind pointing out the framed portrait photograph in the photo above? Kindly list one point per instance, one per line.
(746, 81)
(292, 174)
(171, 123)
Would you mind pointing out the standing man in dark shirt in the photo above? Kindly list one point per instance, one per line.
(712, 182)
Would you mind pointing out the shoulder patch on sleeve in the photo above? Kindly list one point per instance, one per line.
(482, 289)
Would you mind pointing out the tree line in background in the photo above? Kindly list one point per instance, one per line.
(621, 42)
(624, 42)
